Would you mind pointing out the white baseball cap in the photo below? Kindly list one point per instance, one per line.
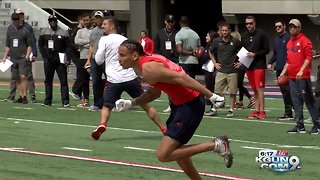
(98, 13)
(20, 11)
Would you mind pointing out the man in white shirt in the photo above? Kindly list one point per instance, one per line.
(118, 79)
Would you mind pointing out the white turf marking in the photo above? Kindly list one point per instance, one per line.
(132, 164)
(26, 108)
(67, 109)
(249, 147)
(76, 149)
(156, 132)
(139, 149)
(246, 120)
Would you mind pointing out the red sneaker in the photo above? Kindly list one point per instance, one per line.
(98, 131)
(254, 114)
(261, 115)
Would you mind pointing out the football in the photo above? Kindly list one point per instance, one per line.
(283, 80)
(200, 52)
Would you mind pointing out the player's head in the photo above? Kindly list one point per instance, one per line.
(129, 53)
(110, 24)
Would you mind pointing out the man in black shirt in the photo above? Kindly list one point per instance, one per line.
(257, 43)
(53, 44)
(165, 44)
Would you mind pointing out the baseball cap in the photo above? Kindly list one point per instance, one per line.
(52, 17)
(20, 11)
(15, 16)
(295, 22)
(169, 17)
(99, 13)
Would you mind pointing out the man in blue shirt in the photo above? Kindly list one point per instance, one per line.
(279, 59)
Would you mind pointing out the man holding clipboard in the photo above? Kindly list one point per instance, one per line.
(256, 42)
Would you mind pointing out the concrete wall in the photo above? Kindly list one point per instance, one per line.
(271, 7)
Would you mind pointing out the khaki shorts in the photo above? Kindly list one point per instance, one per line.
(224, 80)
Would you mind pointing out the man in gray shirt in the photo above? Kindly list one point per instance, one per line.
(82, 39)
(95, 69)
(18, 45)
(187, 41)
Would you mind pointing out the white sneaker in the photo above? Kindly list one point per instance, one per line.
(212, 112)
(168, 110)
(222, 148)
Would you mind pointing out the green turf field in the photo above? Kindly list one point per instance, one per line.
(46, 143)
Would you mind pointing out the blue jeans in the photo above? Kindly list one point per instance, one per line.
(97, 82)
(301, 92)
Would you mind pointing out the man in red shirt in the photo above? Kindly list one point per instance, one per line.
(298, 68)
(187, 106)
(146, 42)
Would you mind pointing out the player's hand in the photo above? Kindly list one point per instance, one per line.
(123, 105)
(216, 99)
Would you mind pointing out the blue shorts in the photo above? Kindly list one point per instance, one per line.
(113, 91)
(185, 119)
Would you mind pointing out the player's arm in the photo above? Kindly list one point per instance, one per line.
(146, 97)
(100, 54)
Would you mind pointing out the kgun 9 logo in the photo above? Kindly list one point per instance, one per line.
(277, 160)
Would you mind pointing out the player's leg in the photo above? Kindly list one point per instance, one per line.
(111, 95)
(187, 166)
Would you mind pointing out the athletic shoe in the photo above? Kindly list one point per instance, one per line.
(45, 104)
(168, 110)
(230, 113)
(94, 108)
(297, 130)
(84, 103)
(238, 105)
(24, 100)
(66, 105)
(251, 102)
(315, 130)
(75, 96)
(222, 148)
(254, 114)
(19, 100)
(9, 99)
(285, 118)
(211, 112)
(98, 131)
(261, 115)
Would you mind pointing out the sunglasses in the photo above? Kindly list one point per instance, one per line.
(52, 20)
(170, 22)
(278, 26)
(250, 23)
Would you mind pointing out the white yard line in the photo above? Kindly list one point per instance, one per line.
(25, 108)
(139, 149)
(76, 149)
(67, 109)
(156, 132)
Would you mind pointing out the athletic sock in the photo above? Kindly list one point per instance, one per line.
(103, 123)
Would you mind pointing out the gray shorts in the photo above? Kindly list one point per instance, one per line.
(21, 67)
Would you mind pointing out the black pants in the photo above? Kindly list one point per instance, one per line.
(49, 69)
(97, 82)
(242, 90)
(76, 87)
(190, 69)
(285, 91)
(84, 78)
